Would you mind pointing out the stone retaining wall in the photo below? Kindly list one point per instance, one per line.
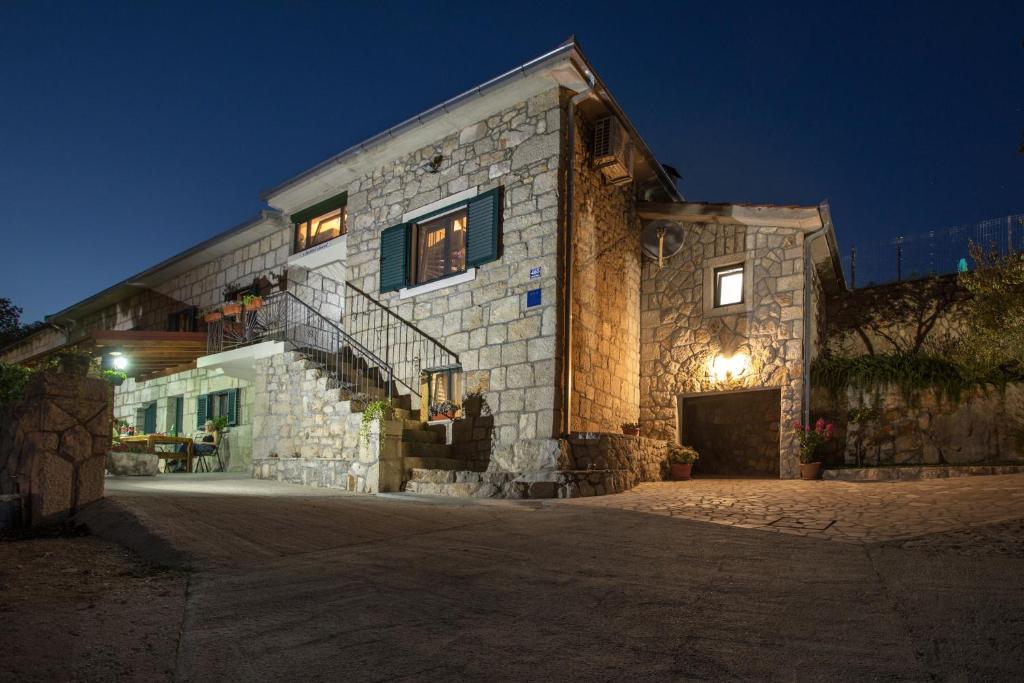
(53, 444)
(982, 427)
(917, 472)
(300, 416)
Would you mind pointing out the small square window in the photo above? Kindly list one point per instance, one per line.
(729, 285)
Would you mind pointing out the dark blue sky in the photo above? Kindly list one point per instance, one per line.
(130, 131)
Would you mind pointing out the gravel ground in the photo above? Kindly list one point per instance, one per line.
(84, 609)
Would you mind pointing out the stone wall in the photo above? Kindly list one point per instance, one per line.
(53, 444)
(680, 339)
(506, 349)
(981, 427)
(925, 314)
(203, 287)
(642, 458)
(300, 413)
(236, 446)
(606, 297)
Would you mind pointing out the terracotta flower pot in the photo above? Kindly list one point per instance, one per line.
(213, 316)
(442, 416)
(681, 471)
(232, 309)
(810, 470)
(254, 305)
(631, 432)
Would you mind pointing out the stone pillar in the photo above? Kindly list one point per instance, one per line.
(389, 460)
(53, 443)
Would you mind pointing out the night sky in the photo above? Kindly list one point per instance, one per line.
(131, 131)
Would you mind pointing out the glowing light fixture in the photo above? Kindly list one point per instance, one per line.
(725, 368)
(120, 361)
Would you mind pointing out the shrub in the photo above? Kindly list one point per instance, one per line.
(911, 372)
(682, 455)
(13, 379)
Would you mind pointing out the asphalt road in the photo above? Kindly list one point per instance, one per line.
(289, 583)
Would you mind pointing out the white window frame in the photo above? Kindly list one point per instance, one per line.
(455, 202)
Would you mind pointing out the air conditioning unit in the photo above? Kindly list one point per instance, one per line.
(613, 151)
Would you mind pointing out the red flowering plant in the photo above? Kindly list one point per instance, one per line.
(812, 436)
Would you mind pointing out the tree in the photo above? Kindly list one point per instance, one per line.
(10, 319)
(994, 335)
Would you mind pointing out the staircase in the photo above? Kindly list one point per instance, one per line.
(373, 355)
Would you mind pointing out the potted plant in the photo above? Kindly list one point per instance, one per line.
(680, 460)
(115, 377)
(232, 308)
(810, 437)
(631, 429)
(252, 302)
(443, 410)
(213, 315)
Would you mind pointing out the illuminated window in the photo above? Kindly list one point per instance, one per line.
(444, 385)
(320, 229)
(440, 247)
(729, 285)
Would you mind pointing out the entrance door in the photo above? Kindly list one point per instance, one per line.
(736, 433)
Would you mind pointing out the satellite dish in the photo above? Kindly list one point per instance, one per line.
(661, 240)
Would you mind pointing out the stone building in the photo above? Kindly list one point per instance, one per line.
(489, 251)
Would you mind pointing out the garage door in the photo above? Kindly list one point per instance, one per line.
(736, 432)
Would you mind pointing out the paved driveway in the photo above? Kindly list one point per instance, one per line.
(298, 584)
(865, 512)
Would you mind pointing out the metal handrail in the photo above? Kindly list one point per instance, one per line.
(404, 346)
(282, 316)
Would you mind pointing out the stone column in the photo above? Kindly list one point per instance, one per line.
(53, 443)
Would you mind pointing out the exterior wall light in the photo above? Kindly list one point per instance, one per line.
(726, 368)
(120, 361)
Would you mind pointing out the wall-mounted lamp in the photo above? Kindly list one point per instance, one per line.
(726, 368)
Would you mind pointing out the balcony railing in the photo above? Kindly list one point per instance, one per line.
(405, 348)
(286, 318)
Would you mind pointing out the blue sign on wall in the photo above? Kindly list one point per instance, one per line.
(532, 298)
(535, 273)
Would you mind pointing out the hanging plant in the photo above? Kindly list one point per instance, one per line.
(376, 410)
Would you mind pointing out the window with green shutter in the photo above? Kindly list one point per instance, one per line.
(394, 258)
(201, 408)
(226, 403)
(442, 243)
(483, 237)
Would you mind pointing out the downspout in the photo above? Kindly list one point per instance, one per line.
(826, 223)
(569, 256)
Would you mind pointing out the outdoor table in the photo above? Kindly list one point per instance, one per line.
(152, 440)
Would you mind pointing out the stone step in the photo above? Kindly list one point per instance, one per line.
(457, 472)
(412, 464)
(425, 450)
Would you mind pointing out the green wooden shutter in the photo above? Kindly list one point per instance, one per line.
(394, 257)
(149, 419)
(201, 404)
(483, 232)
(233, 407)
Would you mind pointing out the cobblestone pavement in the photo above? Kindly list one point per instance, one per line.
(863, 512)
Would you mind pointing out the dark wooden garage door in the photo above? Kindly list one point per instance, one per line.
(736, 433)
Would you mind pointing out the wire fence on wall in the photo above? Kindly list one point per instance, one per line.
(936, 252)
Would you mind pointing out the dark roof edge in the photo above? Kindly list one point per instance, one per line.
(420, 119)
(634, 134)
(230, 232)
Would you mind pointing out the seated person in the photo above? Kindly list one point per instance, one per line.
(206, 442)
